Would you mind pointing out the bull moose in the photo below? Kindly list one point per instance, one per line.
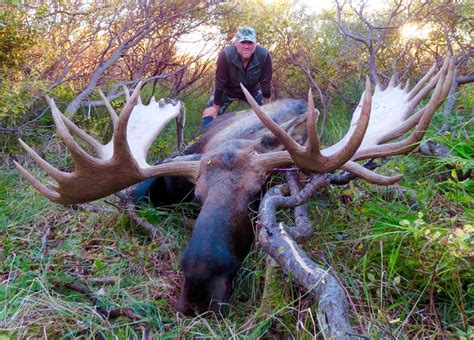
(228, 165)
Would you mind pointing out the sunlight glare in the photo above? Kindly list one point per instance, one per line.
(413, 31)
(201, 42)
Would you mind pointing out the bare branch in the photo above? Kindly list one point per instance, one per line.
(275, 239)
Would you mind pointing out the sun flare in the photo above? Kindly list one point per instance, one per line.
(414, 31)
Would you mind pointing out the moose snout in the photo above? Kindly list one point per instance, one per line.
(201, 297)
(216, 307)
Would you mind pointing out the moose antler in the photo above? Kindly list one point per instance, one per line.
(391, 117)
(120, 163)
(380, 118)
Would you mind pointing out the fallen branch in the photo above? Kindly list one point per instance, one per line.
(129, 209)
(303, 228)
(277, 241)
(154, 232)
(106, 312)
(91, 208)
(44, 241)
(103, 280)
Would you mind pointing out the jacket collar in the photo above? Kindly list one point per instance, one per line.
(237, 62)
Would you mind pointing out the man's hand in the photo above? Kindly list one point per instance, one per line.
(266, 100)
(211, 111)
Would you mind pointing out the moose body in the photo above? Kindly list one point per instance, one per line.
(227, 186)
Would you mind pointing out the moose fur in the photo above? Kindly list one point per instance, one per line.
(227, 186)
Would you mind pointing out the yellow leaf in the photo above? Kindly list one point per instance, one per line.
(454, 174)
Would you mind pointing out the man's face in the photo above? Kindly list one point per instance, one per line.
(245, 48)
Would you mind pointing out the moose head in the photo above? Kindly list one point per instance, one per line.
(229, 163)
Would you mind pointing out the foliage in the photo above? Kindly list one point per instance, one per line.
(15, 40)
(18, 90)
(404, 254)
(17, 99)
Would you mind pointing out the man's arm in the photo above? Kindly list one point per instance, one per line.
(266, 79)
(222, 77)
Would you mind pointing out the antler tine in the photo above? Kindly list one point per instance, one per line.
(98, 147)
(312, 120)
(50, 170)
(439, 94)
(369, 175)
(418, 86)
(139, 99)
(407, 125)
(281, 134)
(393, 81)
(121, 146)
(418, 97)
(127, 93)
(110, 109)
(354, 138)
(411, 121)
(411, 141)
(311, 157)
(50, 194)
(449, 76)
(431, 84)
(407, 85)
(76, 151)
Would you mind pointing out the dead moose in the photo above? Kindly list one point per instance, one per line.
(228, 165)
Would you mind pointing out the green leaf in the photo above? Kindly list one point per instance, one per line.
(98, 264)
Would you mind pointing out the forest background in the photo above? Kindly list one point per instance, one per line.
(405, 258)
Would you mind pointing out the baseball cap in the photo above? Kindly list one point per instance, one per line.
(246, 34)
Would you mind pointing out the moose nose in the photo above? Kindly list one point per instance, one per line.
(183, 307)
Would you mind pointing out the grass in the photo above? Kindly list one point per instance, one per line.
(404, 256)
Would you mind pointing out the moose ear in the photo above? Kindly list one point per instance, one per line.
(295, 128)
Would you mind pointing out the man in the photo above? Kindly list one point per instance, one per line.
(243, 62)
